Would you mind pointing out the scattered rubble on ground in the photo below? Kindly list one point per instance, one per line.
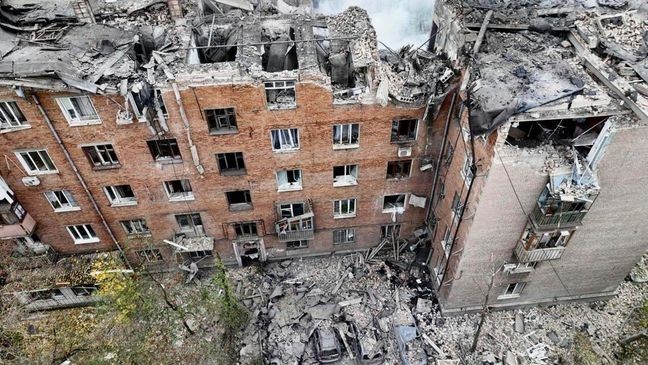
(290, 299)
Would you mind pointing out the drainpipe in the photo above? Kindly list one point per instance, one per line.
(185, 121)
(83, 183)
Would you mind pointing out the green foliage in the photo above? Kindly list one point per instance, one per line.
(583, 352)
(636, 352)
(232, 314)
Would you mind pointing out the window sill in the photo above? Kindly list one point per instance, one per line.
(403, 141)
(397, 178)
(168, 161)
(84, 123)
(63, 210)
(525, 270)
(286, 150)
(289, 188)
(83, 242)
(15, 129)
(400, 210)
(220, 132)
(107, 167)
(240, 207)
(123, 204)
(508, 296)
(296, 248)
(182, 198)
(35, 173)
(237, 172)
(343, 216)
(282, 107)
(345, 183)
(345, 146)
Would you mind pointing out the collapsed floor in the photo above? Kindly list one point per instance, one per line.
(289, 299)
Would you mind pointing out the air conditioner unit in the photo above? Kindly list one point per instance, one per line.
(31, 181)
(507, 268)
(404, 151)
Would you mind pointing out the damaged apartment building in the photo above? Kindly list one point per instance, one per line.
(175, 131)
(539, 194)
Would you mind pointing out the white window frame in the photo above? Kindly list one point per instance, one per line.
(55, 196)
(119, 201)
(282, 180)
(399, 209)
(181, 196)
(349, 178)
(280, 85)
(515, 291)
(106, 148)
(349, 235)
(75, 120)
(338, 212)
(287, 143)
(446, 243)
(340, 143)
(466, 171)
(80, 230)
(138, 224)
(24, 154)
(11, 121)
(302, 244)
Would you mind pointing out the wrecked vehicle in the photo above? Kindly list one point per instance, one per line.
(327, 347)
(408, 341)
(369, 348)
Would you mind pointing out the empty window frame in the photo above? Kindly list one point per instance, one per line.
(446, 243)
(150, 255)
(200, 254)
(14, 215)
(82, 233)
(37, 162)
(394, 203)
(178, 190)
(345, 175)
(78, 110)
(101, 155)
(512, 290)
(221, 120)
(457, 205)
(62, 200)
(399, 169)
(346, 135)
(135, 227)
(390, 230)
(467, 170)
(288, 180)
(239, 199)
(83, 291)
(285, 139)
(11, 117)
(280, 94)
(404, 130)
(190, 222)
(342, 236)
(246, 229)
(164, 149)
(120, 195)
(295, 245)
(160, 102)
(291, 210)
(449, 153)
(345, 208)
(231, 163)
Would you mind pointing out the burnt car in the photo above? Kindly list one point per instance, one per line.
(327, 346)
(369, 348)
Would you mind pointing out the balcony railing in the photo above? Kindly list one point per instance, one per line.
(295, 229)
(556, 220)
(539, 254)
(24, 227)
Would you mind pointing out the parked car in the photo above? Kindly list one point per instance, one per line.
(327, 346)
(369, 348)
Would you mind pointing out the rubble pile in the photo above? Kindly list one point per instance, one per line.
(290, 299)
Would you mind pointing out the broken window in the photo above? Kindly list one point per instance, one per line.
(446, 243)
(150, 255)
(346, 135)
(231, 163)
(342, 236)
(200, 254)
(61, 200)
(78, 110)
(457, 205)
(345, 208)
(10, 116)
(280, 94)
(285, 139)
(245, 229)
(281, 53)
(512, 290)
(11, 213)
(390, 230)
(135, 227)
(294, 245)
(290, 210)
(239, 200)
(441, 189)
(101, 156)
(534, 240)
(213, 39)
(120, 195)
(221, 120)
(83, 291)
(164, 150)
(160, 102)
(404, 130)
(190, 223)
(345, 175)
(448, 154)
(467, 170)
(37, 162)
(288, 180)
(82, 233)
(399, 169)
(178, 190)
(394, 203)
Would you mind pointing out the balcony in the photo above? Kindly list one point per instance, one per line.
(295, 229)
(15, 222)
(538, 254)
(551, 221)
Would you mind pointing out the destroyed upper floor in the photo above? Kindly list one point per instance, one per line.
(94, 45)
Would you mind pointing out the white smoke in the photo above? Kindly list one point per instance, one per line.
(397, 22)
